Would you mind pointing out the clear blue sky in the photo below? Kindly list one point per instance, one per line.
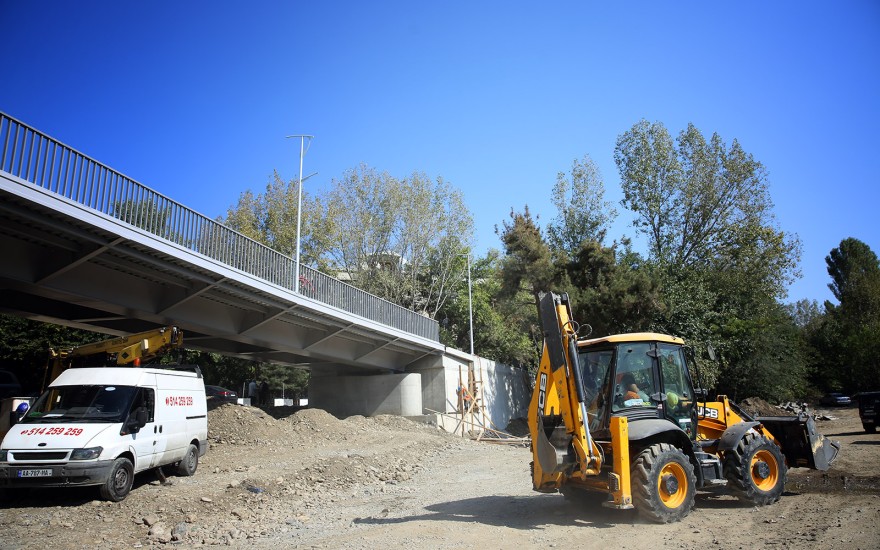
(194, 98)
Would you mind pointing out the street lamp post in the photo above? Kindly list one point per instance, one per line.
(470, 303)
(302, 153)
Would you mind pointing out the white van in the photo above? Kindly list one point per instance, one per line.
(100, 426)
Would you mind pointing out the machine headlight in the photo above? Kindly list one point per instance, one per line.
(86, 454)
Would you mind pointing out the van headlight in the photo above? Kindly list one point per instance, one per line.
(86, 454)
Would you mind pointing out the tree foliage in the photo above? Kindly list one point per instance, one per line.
(498, 323)
(398, 238)
(270, 217)
(703, 204)
(583, 214)
(847, 339)
(609, 291)
(717, 254)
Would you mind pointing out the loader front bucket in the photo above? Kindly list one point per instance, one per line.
(802, 445)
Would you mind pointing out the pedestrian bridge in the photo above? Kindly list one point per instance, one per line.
(88, 247)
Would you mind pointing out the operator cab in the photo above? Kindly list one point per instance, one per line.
(639, 376)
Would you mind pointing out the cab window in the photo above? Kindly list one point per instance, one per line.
(633, 378)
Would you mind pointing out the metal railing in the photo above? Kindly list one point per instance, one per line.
(37, 158)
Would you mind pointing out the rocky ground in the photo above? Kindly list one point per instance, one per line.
(313, 481)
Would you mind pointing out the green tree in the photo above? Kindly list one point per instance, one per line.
(271, 218)
(147, 214)
(582, 212)
(701, 203)
(398, 238)
(609, 295)
(497, 323)
(717, 254)
(850, 344)
(24, 346)
(528, 263)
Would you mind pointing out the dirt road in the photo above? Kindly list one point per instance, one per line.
(312, 481)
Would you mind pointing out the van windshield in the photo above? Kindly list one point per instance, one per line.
(99, 404)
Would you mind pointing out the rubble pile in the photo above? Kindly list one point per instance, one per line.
(756, 406)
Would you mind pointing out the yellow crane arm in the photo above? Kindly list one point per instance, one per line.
(127, 350)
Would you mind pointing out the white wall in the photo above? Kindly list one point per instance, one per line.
(505, 390)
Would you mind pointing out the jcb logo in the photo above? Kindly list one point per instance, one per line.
(542, 390)
(707, 413)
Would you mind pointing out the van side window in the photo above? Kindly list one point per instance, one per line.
(146, 398)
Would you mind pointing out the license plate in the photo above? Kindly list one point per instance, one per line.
(35, 473)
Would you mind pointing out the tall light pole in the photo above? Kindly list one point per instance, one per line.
(470, 302)
(302, 153)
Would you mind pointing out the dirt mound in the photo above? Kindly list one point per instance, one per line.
(237, 425)
(316, 421)
(756, 406)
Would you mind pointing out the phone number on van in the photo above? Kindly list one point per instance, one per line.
(52, 431)
(179, 401)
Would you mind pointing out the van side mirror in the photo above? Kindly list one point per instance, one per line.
(137, 420)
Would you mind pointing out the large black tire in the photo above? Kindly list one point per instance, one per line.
(663, 483)
(118, 485)
(755, 470)
(190, 462)
(870, 428)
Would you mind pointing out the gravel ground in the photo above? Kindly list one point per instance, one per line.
(310, 480)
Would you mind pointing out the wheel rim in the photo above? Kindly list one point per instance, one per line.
(121, 479)
(672, 485)
(764, 470)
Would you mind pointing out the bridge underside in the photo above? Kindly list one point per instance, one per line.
(70, 265)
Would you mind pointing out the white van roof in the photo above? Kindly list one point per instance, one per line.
(123, 376)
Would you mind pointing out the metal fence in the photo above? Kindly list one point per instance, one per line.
(35, 157)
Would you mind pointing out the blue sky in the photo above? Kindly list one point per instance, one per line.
(194, 98)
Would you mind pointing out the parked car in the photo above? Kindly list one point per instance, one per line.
(835, 400)
(869, 409)
(216, 392)
(9, 385)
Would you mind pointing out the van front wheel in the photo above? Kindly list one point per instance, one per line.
(118, 484)
(190, 462)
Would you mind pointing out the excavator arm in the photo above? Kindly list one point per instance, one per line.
(561, 441)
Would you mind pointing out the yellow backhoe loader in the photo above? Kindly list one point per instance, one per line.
(619, 416)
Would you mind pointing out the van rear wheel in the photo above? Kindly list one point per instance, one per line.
(118, 484)
(190, 462)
